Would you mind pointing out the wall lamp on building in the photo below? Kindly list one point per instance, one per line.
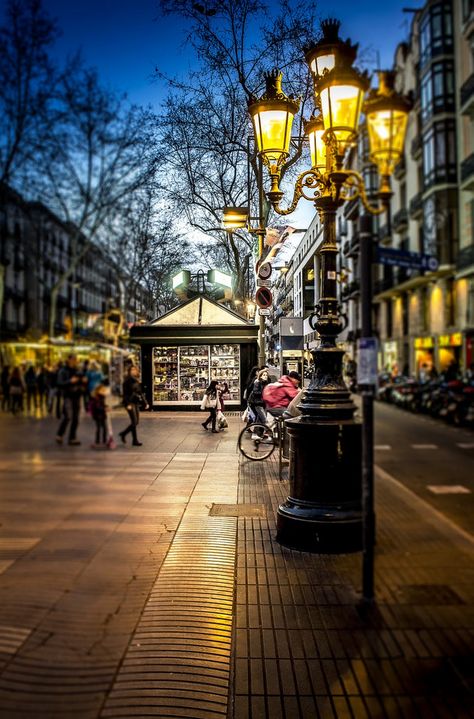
(323, 512)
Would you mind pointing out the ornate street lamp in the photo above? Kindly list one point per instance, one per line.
(235, 218)
(323, 512)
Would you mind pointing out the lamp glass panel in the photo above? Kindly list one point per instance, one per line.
(323, 62)
(273, 132)
(341, 105)
(317, 148)
(233, 219)
(387, 130)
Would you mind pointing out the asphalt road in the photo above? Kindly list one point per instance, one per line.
(431, 458)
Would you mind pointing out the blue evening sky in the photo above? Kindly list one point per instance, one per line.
(126, 39)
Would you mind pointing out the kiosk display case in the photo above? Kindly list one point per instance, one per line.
(225, 366)
(165, 374)
(193, 372)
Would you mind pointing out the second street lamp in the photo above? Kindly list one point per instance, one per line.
(323, 512)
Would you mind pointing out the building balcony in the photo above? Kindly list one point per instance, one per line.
(351, 210)
(400, 220)
(465, 257)
(416, 206)
(351, 247)
(400, 170)
(467, 172)
(467, 96)
(351, 290)
(416, 148)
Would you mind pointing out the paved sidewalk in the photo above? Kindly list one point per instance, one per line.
(147, 582)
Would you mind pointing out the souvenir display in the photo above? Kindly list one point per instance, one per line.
(181, 374)
(225, 366)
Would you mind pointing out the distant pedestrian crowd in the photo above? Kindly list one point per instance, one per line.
(66, 388)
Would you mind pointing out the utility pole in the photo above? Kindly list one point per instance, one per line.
(261, 238)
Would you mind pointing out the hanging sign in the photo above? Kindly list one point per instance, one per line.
(367, 365)
(263, 298)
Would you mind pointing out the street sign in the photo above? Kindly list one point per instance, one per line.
(404, 258)
(367, 360)
(264, 313)
(263, 298)
(265, 271)
(263, 283)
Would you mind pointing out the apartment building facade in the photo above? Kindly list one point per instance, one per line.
(35, 248)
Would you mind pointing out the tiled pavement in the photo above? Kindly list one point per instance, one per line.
(125, 593)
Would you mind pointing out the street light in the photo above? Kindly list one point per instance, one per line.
(324, 511)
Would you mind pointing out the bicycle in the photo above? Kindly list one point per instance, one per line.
(257, 441)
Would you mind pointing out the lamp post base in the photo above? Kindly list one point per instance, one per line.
(323, 512)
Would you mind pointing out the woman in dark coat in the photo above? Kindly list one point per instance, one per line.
(211, 402)
(133, 398)
(255, 398)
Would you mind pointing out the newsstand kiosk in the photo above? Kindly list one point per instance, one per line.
(196, 342)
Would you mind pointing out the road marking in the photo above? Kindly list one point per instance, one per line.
(382, 446)
(448, 489)
(436, 518)
(424, 446)
(465, 446)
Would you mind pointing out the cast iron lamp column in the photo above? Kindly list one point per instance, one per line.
(323, 512)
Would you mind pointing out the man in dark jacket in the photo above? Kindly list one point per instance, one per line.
(71, 383)
(133, 399)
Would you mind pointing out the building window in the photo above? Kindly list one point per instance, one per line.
(436, 32)
(439, 153)
(437, 90)
(467, 9)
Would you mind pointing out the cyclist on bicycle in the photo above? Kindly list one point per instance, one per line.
(278, 395)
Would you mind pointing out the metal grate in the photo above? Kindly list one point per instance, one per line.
(238, 510)
(435, 594)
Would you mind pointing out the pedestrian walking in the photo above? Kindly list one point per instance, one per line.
(133, 400)
(41, 387)
(4, 381)
(94, 378)
(31, 388)
(16, 390)
(211, 403)
(54, 393)
(71, 383)
(99, 410)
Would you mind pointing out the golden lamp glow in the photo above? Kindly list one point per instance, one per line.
(234, 218)
(272, 117)
(314, 130)
(341, 104)
(323, 56)
(387, 117)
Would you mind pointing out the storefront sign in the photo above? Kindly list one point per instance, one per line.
(423, 343)
(454, 340)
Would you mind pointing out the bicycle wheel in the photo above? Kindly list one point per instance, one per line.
(256, 441)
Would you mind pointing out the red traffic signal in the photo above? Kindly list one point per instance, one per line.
(263, 298)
